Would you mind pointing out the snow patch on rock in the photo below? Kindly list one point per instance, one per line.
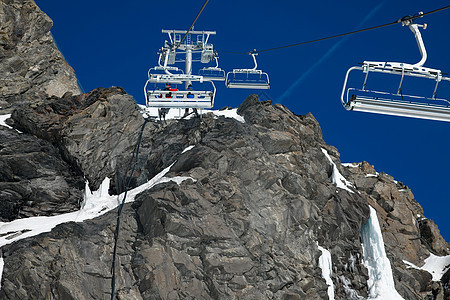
(95, 204)
(326, 265)
(336, 176)
(3, 118)
(437, 266)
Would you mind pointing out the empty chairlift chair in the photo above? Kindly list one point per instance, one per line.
(397, 102)
(248, 78)
(213, 73)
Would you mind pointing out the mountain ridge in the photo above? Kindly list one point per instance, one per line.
(259, 199)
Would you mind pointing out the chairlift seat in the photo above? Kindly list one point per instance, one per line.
(248, 85)
(418, 110)
(247, 79)
(180, 99)
(398, 103)
(212, 73)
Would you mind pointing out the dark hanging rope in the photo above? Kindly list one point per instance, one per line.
(192, 25)
(116, 234)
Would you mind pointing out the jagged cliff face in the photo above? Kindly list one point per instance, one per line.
(30, 62)
(256, 200)
(247, 223)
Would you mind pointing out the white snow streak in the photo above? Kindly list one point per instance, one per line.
(188, 148)
(435, 265)
(95, 204)
(372, 175)
(326, 265)
(381, 282)
(351, 165)
(337, 177)
(229, 113)
(3, 119)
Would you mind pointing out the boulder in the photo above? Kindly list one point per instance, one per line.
(34, 179)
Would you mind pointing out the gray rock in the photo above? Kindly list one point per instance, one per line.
(406, 233)
(76, 258)
(96, 132)
(247, 224)
(431, 237)
(34, 179)
(30, 62)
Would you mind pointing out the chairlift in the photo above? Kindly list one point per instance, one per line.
(156, 90)
(158, 95)
(398, 103)
(248, 78)
(212, 73)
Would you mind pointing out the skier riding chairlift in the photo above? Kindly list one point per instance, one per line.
(162, 112)
(190, 96)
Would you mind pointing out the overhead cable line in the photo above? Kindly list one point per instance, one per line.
(195, 20)
(406, 18)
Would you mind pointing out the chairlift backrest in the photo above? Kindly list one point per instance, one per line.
(199, 39)
(170, 54)
(212, 73)
(207, 54)
(177, 38)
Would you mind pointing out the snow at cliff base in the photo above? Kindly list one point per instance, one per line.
(94, 205)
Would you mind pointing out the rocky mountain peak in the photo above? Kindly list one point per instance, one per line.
(257, 201)
(255, 206)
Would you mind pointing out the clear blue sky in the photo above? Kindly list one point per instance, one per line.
(113, 43)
